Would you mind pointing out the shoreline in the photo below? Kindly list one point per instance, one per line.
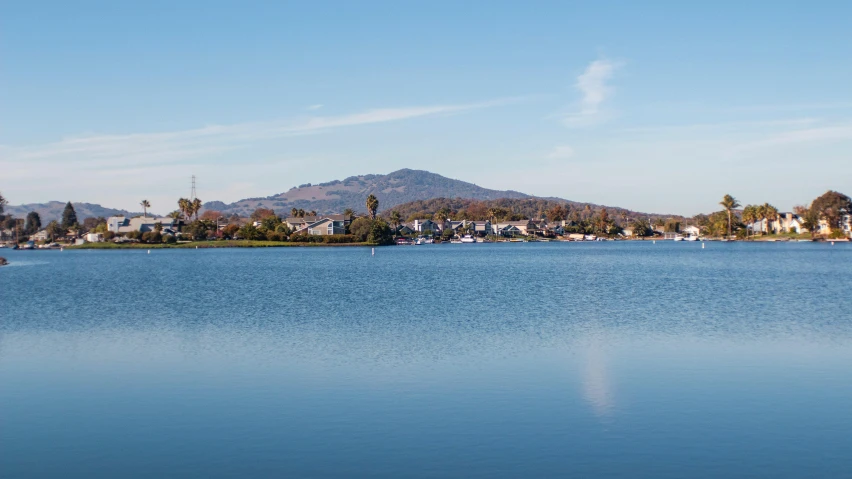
(211, 244)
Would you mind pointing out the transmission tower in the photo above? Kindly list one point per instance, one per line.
(192, 195)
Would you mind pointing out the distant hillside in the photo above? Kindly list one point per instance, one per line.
(53, 211)
(518, 208)
(393, 189)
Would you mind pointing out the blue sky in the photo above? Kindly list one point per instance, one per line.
(662, 107)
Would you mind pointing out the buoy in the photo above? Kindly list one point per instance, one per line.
(149, 251)
(702, 245)
(374, 251)
(196, 247)
(832, 243)
(655, 241)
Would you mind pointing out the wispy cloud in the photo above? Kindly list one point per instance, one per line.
(168, 147)
(314, 107)
(828, 133)
(595, 91)
(560, 153)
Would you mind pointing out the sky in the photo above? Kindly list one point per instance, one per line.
(654, 106)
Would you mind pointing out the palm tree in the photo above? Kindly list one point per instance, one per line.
(729, 203)
(750, 216)
(174, 214)
(441, 215)
(348, 212)
(184, 206)
(372, 206)
(196, 207)
(145, 205)
(770, 213)
(396, 219)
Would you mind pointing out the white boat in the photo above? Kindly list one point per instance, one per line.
(691, 238)
(468, 239)
(427, 241)
(455, 241)
(678, 238)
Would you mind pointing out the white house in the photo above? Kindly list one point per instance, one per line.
(123, 225)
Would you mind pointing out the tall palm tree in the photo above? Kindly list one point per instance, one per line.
(348, 212)
(770, 213)
(729, 203)
(396, 219)
(196, 207)
(145, 205)
(372, 206)
(184, 206)
(750, 216)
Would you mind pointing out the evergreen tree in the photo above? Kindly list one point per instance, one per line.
(3, 204)
(33, 223)
(69, 216)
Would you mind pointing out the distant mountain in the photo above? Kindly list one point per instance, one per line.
(395, 188)
(53, 211)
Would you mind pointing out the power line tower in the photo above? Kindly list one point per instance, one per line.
(192, 194)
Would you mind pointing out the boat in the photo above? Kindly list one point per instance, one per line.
(678, 238)
(428, 241)
(455, 241)
(691, 238)
(468, 239)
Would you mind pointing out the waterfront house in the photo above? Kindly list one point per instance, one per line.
(482, 228)
(405, 230)
(298, 224)
(40, 236)
(514, 228)
(123, 225)
(426, 226)
(324, 227)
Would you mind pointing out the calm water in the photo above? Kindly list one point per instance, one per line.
(521, 360)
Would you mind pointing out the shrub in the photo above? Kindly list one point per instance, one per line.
(169, 239)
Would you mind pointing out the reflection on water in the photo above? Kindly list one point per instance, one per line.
(597, 386)
(589, 360)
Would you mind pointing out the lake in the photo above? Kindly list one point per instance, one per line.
(617, 359)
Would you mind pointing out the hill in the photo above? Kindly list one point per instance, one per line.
(402, 186)
(53, 211)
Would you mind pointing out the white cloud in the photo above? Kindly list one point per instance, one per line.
(169, 147)
(314, 107)
(592, 84)
(561, 152)
(838, 132)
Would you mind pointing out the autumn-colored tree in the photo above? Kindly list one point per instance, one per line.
(261, 213)
(212, 215)
(831, 207)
